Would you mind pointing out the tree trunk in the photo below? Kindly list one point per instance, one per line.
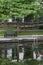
(17, 53)
(18, 25)
(0, 53)
(18, 28)
(12, 53)
(5, 53)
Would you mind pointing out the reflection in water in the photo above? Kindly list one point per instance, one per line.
(9, 53)
(25, 52)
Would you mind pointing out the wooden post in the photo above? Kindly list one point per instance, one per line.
(18, 26)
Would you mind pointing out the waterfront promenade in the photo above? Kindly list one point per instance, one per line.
(28, 37)
(25, 41)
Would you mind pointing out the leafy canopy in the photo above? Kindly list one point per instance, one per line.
(18, 8)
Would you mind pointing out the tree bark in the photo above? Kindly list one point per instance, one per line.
(12, 53)
(5, 53)
(17, 53)
(0, 53)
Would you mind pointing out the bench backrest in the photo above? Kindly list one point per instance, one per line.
(10, 33)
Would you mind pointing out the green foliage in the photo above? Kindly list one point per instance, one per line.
(18, 8)
(29, 62)
(4, 61)
(40, 47)
(25, 62)
(31, 32)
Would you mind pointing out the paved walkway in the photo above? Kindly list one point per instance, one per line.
(28, 37)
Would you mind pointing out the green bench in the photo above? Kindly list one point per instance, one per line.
(10, 33)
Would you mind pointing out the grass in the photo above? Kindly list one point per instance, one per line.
(24, 62)
(1, 33)
(7, 28)
(2, 29)
(30, 32)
